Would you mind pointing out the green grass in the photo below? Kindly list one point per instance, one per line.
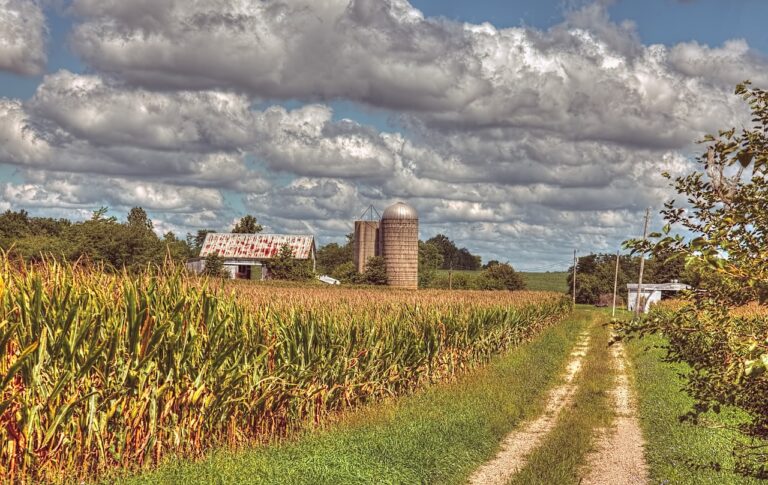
(439, 435)
(555, 281)
(679, 453)
(562, 455)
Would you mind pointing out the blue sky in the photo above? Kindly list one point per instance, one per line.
(518, 143)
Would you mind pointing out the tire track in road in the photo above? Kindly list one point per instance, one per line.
(519, 444)
(619, 458)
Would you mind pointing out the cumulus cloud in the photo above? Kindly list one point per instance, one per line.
(587, 76)
(515, 141)
(22, 37)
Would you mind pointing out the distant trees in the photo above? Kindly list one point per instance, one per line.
(214, 266)
(285, 267)
(331, 256)
(132, 244)
(595, 273)
(500, 276)
(247, 225)
(454, 257)
(430, 260)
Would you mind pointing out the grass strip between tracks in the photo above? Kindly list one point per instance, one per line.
(564, 451)
(439, 435)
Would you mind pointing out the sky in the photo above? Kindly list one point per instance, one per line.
(521, 129)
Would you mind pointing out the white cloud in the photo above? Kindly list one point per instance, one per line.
(518, 142)
(22, 37)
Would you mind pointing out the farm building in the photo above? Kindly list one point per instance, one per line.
(395, 238)
(651, 293)
(245, 255)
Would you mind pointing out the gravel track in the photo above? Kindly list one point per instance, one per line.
(519, 444)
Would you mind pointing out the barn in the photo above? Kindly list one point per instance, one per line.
(246, 255)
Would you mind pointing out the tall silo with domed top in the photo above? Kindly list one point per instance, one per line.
(399, 238)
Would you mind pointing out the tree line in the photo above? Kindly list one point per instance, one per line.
(435, 254)
(131, 244)
(595, 274)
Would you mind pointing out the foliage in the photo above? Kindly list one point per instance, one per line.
(196, 241)
(132, 245)
(453, 257)
(345, 273)
(333, 255)
(595, 273)
(500, 277)
(102, 370)
(457, 280)
(214, 266)
(430, 260)
(375, 272)
(437, 436)
(285, 267)
(727, 213)
(139, 220)
(247, 225)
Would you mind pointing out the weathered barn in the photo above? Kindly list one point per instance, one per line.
(246, 255)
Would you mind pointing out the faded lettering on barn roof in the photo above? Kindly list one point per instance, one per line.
(256, 246)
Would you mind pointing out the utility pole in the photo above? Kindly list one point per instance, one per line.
(574, 276)
(615, 284)
(638, 310)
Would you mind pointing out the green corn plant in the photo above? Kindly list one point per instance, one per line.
(116, 371)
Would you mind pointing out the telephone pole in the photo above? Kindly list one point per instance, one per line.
(642, 264)
(615, 284)
(574, 276)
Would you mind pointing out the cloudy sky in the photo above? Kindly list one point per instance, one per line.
(522, 129)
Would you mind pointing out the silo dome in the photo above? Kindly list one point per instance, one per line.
(400, 210)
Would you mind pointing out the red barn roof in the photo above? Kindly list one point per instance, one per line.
(256, 246)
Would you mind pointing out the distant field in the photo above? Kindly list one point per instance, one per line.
(554, 281)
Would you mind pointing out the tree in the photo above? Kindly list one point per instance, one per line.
(346, 273)
(196, 241)
(453, 257)
(375, 271)
(333, 255)
(247, 225)
(490, 263)
(501, 277)
(722, 232)
(430, 260)
(286, 267)
(138, 219)
(214, 266)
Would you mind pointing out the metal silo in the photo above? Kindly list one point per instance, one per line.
(365, 242)
(399, 236)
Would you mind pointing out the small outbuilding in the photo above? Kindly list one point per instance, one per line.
(651, 293)
(246, 255)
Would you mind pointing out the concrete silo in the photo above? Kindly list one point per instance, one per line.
(399, 245)
(365, 243)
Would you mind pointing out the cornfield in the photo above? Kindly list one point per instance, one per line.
(101, 371)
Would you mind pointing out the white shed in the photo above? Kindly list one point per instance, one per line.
(650, 293)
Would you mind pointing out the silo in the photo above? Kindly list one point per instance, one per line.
(399, 235)
(364, 243)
